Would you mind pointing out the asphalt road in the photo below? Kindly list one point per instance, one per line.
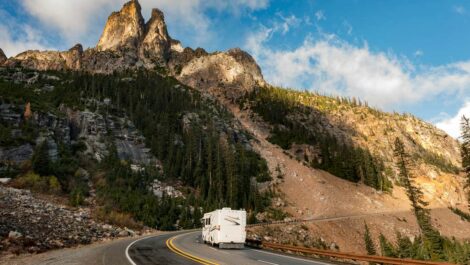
(155, 250)
(176, 248)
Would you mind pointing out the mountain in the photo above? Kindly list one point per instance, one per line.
(128, 42)
(144, 117)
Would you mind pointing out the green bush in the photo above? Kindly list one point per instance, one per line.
(76, 197)
(47, 184)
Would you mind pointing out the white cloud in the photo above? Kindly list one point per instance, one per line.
(418, 53)
(26, 39)
(348, 27)
(460, 10)
(287, 23)
(331, 65)
(78, 19)
(73, 18)
(451, 125)
(320, 15)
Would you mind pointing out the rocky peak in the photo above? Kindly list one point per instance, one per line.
(157, 43)
(78, 48)
(3, 57)
(124, 29)
(128, 42)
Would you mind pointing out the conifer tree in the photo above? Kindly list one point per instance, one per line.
(404, 247)
(368, 241)
(433, 239)
(465, 152)
(386, 247)
(40, 160)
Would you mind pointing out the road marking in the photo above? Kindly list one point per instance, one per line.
(267, 262)
(182, 253)
(170, 246)
(130, 245)
(284, 256)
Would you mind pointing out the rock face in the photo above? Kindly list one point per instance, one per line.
(3, 57)
(49, 60)
(124, 29)
(128, 42)
(73, 57)
(40, 60)
(157, 43)
(232, 69)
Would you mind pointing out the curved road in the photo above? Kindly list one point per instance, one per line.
(176, 248)
(186, 248)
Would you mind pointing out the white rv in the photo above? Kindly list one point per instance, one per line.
(225, 228)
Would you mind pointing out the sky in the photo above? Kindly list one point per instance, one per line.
(401, 55)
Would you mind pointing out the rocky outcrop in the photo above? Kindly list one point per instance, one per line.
(49, 60)
(124, 29)
(3, 57)
(73, 57)
(157, 43)
(234, 69)
(128, 42)
(39, 60)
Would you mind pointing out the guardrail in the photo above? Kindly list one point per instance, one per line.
(344, 255)
(312, 219)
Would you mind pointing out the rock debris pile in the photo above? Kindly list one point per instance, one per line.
(29, 224)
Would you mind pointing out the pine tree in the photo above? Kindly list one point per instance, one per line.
(370, 247)
(40, 160)
(386, 247)
(406, 178)
(433, 239)
(465, 152)
(405, 247)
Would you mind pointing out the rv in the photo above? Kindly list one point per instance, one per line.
(224, 228)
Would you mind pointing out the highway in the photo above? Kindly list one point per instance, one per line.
(186, 248)
(175, 248)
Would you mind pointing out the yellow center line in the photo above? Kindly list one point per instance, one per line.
(172, 247)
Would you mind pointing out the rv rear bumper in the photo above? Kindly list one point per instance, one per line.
(231, 245)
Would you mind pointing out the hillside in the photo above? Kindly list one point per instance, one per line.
(352, 140)
(147, 133)
(141, 149)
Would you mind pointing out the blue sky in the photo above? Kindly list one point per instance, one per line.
(408, 56)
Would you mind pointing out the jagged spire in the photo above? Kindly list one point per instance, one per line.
(123, 29)
(157, 42)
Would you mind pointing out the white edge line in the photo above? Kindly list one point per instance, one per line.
(285, 256)
(130, 245)
(267, 262)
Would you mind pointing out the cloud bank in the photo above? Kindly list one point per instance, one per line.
(451, 125)
(334, 66)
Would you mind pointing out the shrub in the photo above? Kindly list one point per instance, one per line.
(33, 181)
(116, 218)
(76, 197)
(54, 185)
